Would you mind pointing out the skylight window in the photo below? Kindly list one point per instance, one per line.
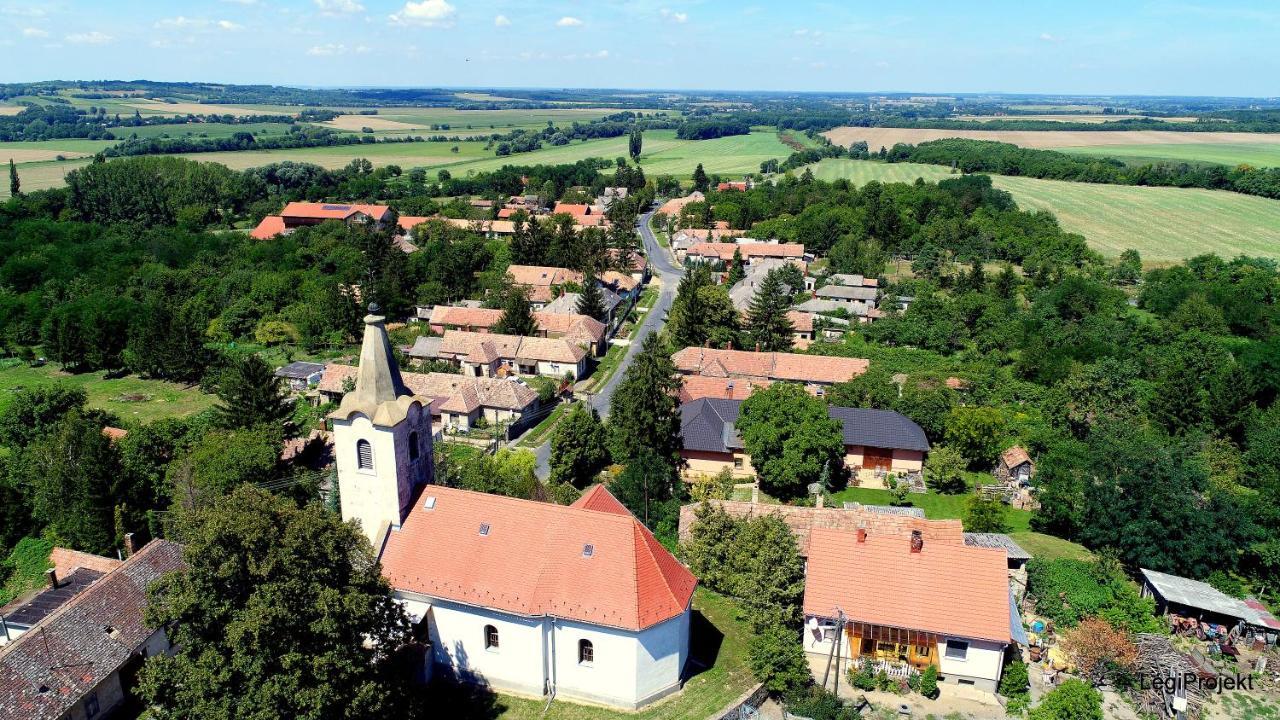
(484, 529)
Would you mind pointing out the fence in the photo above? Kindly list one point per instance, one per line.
(746, 707)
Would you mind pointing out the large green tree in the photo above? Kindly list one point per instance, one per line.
(768, 328)
(278, 612)
(790, 439)
(645, 414)
(578, 447)
(249, 395)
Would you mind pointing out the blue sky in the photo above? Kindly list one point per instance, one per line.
(1079, 47)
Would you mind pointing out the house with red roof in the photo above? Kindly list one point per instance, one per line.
(904, 603)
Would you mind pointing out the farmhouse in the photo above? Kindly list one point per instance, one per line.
(581, 329)
(494, 355)
(814, 371)
(904, 604)
(876, 442)
(79, 657)
(578, 602)
(456, 401)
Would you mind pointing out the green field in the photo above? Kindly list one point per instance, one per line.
(1257, 154)
(1163, 224)
(130, 397)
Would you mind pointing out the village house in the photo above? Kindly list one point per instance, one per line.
(86, 639)
(457, 402)
(301, 376)
(815, 372)
(584, 330)
(573, 602)
(876, 442)
(301, 214)
(904, 604)
(1014, 466)
(495, 355)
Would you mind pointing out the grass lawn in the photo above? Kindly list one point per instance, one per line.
(935, 506)
(130, 397)
(719, 642)
(1163, 224)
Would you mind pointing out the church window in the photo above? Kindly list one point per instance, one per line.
(364, 455)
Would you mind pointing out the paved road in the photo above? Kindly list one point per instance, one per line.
(669, 273)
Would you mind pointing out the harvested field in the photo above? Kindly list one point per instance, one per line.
(1163, 224)
(888, 137)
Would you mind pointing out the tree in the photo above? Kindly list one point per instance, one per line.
(31, 414)
(648, 486)
(944, 470)
(701, 182)
(634, 144)
(737, 271)
(280, 611)
(15, 185)
(976, 433)
(768, 326)
(985, 515)
(591, 299)
(249, 396)
(790, 438)
(578, 451)
(1072, 700)
(75, 478)
(517, 314)
(646, 412)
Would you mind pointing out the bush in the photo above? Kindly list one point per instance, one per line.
(929, 682)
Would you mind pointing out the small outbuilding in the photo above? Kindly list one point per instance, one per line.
(1015, 466)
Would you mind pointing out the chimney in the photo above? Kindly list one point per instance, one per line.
(52, 575)
(862, 535)
(128, 544)
(917, 541)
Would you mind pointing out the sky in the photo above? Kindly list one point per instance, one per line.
(1088, 47)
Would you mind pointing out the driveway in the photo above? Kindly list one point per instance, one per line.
(662, 267)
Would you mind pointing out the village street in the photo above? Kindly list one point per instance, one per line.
(668, 274)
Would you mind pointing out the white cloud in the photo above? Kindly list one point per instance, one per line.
(34, 33)
(428, 13)
(568, 21)
(89, 38)
(673, 16)
(502, 21)
(339, 7)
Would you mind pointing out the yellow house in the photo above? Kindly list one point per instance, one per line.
(876, 442)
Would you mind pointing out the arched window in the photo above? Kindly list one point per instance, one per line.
(413, 445)
(490, 637)
(586, 652)
(364, 455)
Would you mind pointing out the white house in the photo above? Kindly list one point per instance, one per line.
(906, 604)
(570, 602)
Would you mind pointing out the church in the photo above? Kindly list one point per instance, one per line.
(576, 602)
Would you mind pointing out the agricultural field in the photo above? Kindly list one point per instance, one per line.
(1248, 147)
(1256, 154)
(1163, 224)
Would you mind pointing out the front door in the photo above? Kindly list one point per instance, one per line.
(877, 459)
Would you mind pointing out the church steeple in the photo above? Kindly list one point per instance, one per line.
(382, 438)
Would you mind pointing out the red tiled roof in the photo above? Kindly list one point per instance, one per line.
(532, 561)
(332, 211)
(949, 589)
(710, 362)
(271, 226)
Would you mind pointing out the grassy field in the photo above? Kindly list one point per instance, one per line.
(719, 638)
(1258, 154)
(1163, 224)
(130, 397)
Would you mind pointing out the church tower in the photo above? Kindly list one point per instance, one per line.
(381, 437)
